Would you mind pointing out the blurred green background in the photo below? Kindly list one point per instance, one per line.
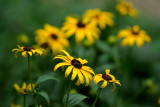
(139, 75)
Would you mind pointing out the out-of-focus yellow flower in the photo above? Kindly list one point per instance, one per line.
(13, 105)
(39, 106)
(133, 35)
(25, 89)
(23, 38)
(51, 37)
(81, 29)
(105, 78)
(126, 7)
(27, 50)
(159, 100)
(77, 68)
(99, 18)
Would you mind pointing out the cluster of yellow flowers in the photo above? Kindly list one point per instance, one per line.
(76, 66)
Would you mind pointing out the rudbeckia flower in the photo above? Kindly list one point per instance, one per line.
(76, 66)
(27, 50)
(105, 78)
(81, 29)
(25, 89)
(13, 105)
(133, 35)
(99, 18)
(51, 37)
(126, 7)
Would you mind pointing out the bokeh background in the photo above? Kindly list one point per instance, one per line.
(139, 76)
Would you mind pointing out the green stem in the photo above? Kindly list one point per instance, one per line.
(24, 100)
(98, 92)
(35, 103)
(68, 93)
(29, 71)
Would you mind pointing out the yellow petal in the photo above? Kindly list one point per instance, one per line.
(68, 70)
(24, 85)
(87, 76)
(86, 68)
(30, 53)
(107, 71)
(74, 73)
(84, 61)
(71, 58)
(60, 64)
(61, 57)
(79, 36)
(97, 78)
(104, 84)
(80, 76)
(78, 82)
(24, 54)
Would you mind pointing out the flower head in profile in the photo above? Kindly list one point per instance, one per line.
(13, 105)
(133, 35)
(99, 18)
(81, 29)
(27, 50)
(51, 37)
(126, 7)
(105, 78)
(76, 66)
(25, 89)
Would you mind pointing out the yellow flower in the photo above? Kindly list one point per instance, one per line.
(77, 68)
(105, 78)
(131, 35)
(81, 29)
(51, 37)
(27, 50)
(39, 106)
(25, 89)
(99, 18)
(13, 105)
(126, 7)
(23, 38)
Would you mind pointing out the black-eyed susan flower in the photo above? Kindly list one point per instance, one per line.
(99, 18)
(76, 66)
(51, 37)
(126, 7)
(39, 106)
(13, 105)
(25, 89)
(133, 35)
(27, 50)
(105, 78)
(81, 29)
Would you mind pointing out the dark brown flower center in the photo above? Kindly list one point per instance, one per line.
(81, 25)
(135, 33)
(44, 45)
(76, 63)
(27, 48)
(54, 36)
(106, 77)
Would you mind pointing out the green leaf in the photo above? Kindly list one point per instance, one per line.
(44, 78)
(74, 99)
(44, 95)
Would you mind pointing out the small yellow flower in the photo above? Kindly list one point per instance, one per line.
(27, 50)
(81, 29)
(39, 106)
(99, 18)
(105, 78)
(23, 38)
(13, 105)
(51, 37)
(77, 68)
(159, 100)
(133, 35)
(25, 89)
(126, 7)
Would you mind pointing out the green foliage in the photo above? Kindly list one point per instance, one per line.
(44, 95)
(74, 99)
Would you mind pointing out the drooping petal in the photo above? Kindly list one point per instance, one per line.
(78, 82)
(71, 58)
(80, 76)
(68, 70)
(74, 73)
(86, 68)
(104, 84)
(24, 85)
(60, 64)
(97, 78)
(107, 71)
(30, 53)
(24, 54)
